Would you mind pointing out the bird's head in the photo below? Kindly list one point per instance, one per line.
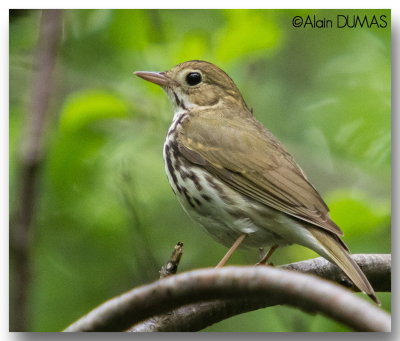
(196, 84)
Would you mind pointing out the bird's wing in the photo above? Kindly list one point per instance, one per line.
(249, 159)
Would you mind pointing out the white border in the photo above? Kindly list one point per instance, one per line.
(338, 4)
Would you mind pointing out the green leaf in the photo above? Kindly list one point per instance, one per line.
(356, 212)
(239, 39)
(130, 29)
(87, 106)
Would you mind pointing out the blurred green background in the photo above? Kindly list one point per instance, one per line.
(106, 218)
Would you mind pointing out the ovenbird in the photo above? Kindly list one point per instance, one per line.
(235, 178)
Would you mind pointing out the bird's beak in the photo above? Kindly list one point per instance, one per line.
(154, 77)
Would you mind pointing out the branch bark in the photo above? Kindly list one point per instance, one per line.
(31, 158)
(195, 317)
(233, 290)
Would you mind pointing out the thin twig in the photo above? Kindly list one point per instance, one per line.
(260, 284)
(142, 248)
(21, 233)
(171, 266)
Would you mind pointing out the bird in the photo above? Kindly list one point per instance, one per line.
(235, 178)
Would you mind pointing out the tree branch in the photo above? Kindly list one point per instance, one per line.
(236, 287)
(194, 317)
(377, 268)
(21, 224)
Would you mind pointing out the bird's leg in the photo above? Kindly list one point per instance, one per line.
(264, 259)
(231, 251)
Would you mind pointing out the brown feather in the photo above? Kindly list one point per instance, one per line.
(253, 162)
(338, 254)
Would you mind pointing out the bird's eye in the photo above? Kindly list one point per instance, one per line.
(193, 78)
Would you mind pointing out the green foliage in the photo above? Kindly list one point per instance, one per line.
(88, 106)
(106, 219)
(357, 213)
(237, 39)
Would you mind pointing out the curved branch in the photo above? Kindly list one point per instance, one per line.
(194, 317)
(377, 268)
(260, 284)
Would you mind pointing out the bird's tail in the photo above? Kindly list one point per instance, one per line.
(338, 253)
